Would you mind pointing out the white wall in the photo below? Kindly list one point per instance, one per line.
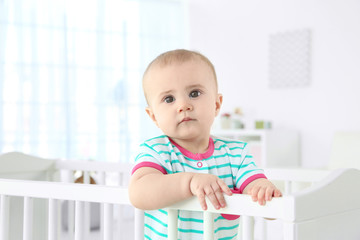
(234, 35)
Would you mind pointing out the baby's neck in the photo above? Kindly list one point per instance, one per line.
(199, 146)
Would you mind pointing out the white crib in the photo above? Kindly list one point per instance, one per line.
(328, 209)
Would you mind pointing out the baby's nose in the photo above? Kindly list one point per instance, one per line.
(184, 106)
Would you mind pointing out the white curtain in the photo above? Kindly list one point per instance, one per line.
(70, 73)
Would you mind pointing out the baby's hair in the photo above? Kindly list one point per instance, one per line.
(180, 56)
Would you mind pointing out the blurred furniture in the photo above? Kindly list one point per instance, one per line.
(345, 150)
(17, 165)
(44, 217)
(270, 147)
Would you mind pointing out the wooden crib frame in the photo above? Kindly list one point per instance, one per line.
(329, 209)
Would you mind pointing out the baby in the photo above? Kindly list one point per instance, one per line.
(181, 90)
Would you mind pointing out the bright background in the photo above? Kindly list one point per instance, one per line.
(70, 71)
(235, 36)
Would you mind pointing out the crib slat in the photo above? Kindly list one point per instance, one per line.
(248, 227)
(102, 178)
(86, 219)
(79, 223)
(288, 187)
(86, 177)
(120, 178)
(4, 217)
(52, 228)
(108, 221)
(87, 216)
(28, 218)
(208, 226)
(172, 224)
(139, 224)
(71, 207)
(102, 181)
(71, 219)
(120, 215)
(120, 182)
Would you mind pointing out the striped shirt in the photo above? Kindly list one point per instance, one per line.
(225, 158)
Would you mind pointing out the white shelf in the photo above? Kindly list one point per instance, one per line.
(270, 147)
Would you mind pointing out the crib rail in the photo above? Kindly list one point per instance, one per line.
(314, 205)
(102, 171)
(237, 204)
(296, 174)
(81, 194)
(295, 179)
(288, 208)
(95, 166)
(109, 195)
(55, 191)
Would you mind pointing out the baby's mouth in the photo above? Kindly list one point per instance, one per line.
(186, 119)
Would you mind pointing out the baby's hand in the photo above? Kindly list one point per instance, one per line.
(262, 190)
(202, 185)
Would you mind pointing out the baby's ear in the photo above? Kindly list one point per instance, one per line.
(218, 103)
(151, 115)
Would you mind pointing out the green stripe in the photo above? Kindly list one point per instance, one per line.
(227, 155)
(228, 238)
(146, 236)
(226, 228)
(216, 156)
(214, 166)
(191, 231)
(146, 145)
(187, 165)
(202, 168)
(219, 218)
(141, 155)
(226, 176)
(161, 136)
(231, 148)
(165, 152)
(244, 175)
(243, 165)
(169, 153)
(155, 219)
(157, 232)
(163, 211)
(161, 144)
(230, 141)
(191, 220)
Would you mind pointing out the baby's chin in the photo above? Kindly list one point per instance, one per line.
(188, 135)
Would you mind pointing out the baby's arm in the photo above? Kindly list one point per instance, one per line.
(262, 190)
(151, 189)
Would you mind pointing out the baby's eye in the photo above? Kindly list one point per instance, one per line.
(169, 99)
(195, 94)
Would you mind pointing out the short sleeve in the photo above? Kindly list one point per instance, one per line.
(247, 171)
(149, 156)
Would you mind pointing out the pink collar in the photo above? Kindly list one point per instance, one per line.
(196, 156)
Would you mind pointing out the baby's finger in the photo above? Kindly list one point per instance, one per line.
(277, 193)
(261, 196)
(202, 201)
(269, 193)
(218, 193)
(254, 193)
(224, 187)
(214, 201)
(220, 198)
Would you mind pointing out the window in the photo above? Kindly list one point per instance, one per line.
(70, 73)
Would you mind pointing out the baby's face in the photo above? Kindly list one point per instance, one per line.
(183, 99)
